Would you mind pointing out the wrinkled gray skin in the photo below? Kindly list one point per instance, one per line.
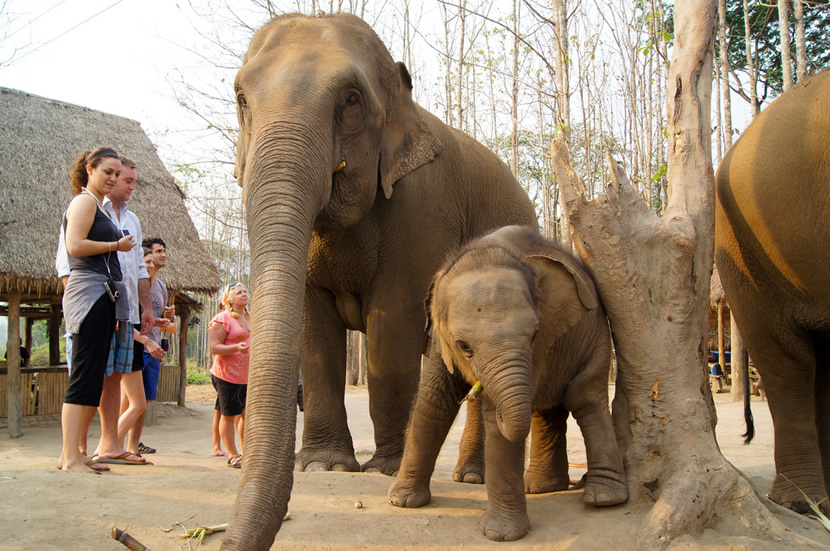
(772, 250)
(522, 316)
(354, 196)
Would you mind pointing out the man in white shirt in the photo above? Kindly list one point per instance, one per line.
(124, 367)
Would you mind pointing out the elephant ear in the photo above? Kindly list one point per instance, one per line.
(407, 143)
(564, 294)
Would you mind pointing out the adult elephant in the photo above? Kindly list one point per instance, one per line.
(771, 248)
(354, 195)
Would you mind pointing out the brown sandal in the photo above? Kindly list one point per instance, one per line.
(235, 462)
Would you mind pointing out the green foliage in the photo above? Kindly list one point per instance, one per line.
(198, 376)
(766, 37)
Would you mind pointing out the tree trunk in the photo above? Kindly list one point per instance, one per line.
(721, 343)
(750, 64)
(514, 96)
(800, 42)
(653, 276)
(724, 63)
(784, 29)
(560, 17)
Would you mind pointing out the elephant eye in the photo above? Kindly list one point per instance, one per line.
(353, 98)
(465, 348)
(240, 99)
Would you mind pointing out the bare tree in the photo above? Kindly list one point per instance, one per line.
(750, 64)
(800, 42)
(786, 57)
(653, 275)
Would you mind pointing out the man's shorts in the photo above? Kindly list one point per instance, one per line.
(121, 350)
(231, 396)
(151, 371)
(138, 352)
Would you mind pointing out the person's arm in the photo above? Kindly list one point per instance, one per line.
(149, 345)
(79, 218)
(217, 342)
(147, 319)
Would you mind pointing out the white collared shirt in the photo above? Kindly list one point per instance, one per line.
(132, 261)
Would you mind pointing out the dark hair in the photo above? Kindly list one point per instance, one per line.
(78, 176)
(150, 241)
(147, 250)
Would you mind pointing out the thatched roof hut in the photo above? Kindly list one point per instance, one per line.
(40, 140)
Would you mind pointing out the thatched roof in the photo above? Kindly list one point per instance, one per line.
(39, 140)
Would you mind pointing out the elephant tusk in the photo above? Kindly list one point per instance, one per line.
(341, 166)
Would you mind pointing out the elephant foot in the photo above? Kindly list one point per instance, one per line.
(794, 500)
(498, 527)
(605, 488)
(468, 472)
(405, 493)
(316, 460)
(542, 483)
(388, 464)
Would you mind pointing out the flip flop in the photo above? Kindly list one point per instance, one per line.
(220, 454)
(122, 460)
(98, 468)
(235, 462)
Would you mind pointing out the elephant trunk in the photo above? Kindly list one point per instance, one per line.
(508, 387)
(282, 202)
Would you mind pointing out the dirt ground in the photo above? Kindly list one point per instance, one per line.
(42, 508)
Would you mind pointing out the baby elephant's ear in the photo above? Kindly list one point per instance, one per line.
(565, 294)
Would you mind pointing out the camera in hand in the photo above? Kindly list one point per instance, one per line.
(113, 293)
(165, 344)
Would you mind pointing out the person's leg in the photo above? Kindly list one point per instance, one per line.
(86, 422)
(226, 430)
(83, 391)
(71, 418)
(108, 414)
(240, 428)
(150, 379)
(217, 439)
(132, 386)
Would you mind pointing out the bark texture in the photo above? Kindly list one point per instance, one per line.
(653, 275)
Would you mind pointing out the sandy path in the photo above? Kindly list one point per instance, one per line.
(42, 508)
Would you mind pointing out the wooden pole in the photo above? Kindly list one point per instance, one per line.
(183, 319)
(13, 364)
(54, 334)
(27, 341)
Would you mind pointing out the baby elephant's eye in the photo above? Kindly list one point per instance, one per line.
(465, 348)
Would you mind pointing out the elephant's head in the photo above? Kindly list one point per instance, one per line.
(326, 120)
(494, 306)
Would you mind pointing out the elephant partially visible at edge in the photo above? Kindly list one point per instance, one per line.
(772, 249)
(521, 315)
(354, 196)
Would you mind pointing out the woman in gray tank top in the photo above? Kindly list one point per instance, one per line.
(93, 293)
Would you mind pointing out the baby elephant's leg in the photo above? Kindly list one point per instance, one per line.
(548, 468)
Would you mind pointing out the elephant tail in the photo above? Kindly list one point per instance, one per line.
(750, 422)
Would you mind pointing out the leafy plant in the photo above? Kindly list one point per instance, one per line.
(196, 376)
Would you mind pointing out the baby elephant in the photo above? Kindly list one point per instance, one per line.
(522, 316)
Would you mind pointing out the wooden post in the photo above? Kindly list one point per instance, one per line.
(721, 346)
(27, 341)
(13, 364)
(183, 319)
(54, 334)
(739, 362)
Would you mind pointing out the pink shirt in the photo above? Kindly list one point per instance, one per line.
(232, 368)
